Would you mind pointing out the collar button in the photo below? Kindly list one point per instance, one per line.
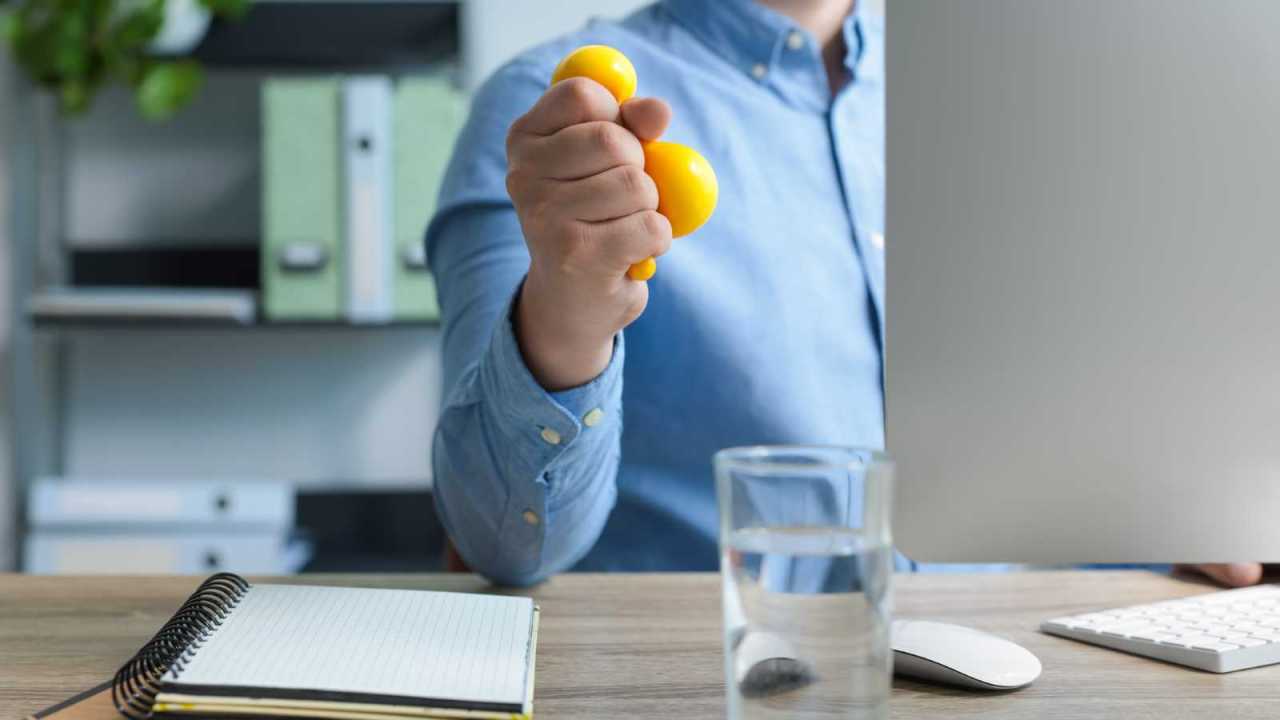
(758, 71)
(795, 40)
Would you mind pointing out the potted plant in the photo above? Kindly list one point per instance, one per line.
(75, 47)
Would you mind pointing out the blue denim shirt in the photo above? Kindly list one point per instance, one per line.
(764, 326)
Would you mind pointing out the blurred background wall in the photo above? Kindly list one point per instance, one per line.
(158, 414)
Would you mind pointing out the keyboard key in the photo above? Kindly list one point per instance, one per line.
(1091, 618)
(1248, 642)
(1212, 644)
(1127, 628)
(1191, 640)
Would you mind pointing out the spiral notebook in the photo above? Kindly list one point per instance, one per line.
(241, 650)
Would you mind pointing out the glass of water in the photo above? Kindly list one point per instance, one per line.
(806, 560)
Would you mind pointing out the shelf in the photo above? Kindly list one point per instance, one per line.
(112, 308)
(211, 306)
(170, 288)
(99, 324)
(334, 35)
(386, 486)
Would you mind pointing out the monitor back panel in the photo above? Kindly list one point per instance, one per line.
(1083, 253)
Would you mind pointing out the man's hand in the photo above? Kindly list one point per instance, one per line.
(1229, 574)
(575, 173)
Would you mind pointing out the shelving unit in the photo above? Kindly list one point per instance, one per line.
(70, 381)
(336, 407)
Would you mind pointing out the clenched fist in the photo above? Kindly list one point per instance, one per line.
(575, 173)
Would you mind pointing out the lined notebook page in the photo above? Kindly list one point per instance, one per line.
(436, 645)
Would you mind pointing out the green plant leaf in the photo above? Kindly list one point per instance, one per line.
(135, 30)
(10, 25)
(71, 54)
(231, 9)
(75, 96)
(167, 87)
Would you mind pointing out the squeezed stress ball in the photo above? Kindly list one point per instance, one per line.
(687, 188)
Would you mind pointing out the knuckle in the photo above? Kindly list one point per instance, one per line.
(513, 135)
(661, 245)
(617, 144)
(632, 179)
(577, 244)
(520, 187)
(515, 182)
(655, 225)
(649, 188)
(607, 142)
(578, 91)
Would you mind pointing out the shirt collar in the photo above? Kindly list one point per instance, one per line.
(760, 43)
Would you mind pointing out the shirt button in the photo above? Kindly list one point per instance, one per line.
(877, 240)
(593, 418)
(795, 40)
(550, 436)
(758, 71)
(531, 517)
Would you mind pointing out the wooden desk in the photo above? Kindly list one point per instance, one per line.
(648, 646)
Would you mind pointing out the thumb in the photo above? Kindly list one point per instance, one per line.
(646, 118)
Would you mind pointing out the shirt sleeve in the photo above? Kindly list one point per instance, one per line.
(523, 479)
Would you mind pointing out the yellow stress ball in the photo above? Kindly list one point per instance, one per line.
(687, 187)
(643, 270)
(603, 64)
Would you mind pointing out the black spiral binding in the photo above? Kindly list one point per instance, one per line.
(134, 688)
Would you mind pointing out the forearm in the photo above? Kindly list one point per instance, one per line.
(525, 479)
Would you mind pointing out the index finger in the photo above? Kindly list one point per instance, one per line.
(569, 102)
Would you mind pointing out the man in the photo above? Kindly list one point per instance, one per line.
(765, 326)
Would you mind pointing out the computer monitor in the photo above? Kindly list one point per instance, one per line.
(1083, 279)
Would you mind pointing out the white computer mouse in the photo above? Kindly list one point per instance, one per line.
(955, 655)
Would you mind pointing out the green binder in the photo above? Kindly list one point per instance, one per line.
(302, 199)
(429, 113)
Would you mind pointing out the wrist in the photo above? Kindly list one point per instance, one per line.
(559, 353)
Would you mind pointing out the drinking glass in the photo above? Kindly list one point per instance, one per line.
(806, 561)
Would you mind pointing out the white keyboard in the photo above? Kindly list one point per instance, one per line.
(1219, 632)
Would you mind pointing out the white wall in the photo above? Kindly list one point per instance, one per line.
(319, 406)
(494, 31)
(190, 181)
